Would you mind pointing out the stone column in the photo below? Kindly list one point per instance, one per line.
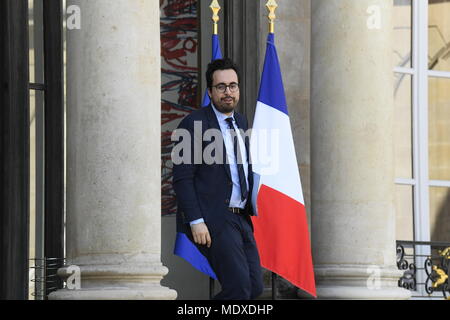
(353, 217)
(113, 152)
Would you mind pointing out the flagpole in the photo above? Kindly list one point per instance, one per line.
(215, 8)
(287, 251)
(272, 6)
(274, 286)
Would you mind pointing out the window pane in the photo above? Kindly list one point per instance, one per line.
(403, 125)
(439, 35)
(402, 33)
(404, 212)
(440, 214)
(439, 128)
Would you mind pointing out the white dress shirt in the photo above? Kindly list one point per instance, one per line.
(235, 200)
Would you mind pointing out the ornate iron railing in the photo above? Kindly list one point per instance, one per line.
(426, 268)
(45, 277)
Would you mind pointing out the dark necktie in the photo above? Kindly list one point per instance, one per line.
(238, 158)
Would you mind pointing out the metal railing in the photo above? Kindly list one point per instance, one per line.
(45, 278)
(426, 268)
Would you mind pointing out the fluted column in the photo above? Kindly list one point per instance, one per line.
(113, 151)
(353, 215)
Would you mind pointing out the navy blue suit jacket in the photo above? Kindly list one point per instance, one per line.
(204, 190)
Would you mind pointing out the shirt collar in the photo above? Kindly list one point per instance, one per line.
(220, 116)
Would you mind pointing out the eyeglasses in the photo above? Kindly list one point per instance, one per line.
(222, 88)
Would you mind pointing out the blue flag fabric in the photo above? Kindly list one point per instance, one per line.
(271, 90)
(184, 248)
(216, 54)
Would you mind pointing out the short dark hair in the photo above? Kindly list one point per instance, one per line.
(219, 64)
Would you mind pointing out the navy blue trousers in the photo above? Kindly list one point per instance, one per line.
(234, 257)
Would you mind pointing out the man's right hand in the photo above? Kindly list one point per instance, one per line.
(201, 234)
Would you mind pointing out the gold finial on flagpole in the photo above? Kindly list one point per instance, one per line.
(215, 7)
(272, 6)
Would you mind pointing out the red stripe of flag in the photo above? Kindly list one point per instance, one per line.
(281, 231)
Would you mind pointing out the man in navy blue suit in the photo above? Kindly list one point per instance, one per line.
(214, 198)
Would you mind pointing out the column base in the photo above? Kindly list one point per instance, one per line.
(361, 293)
(150, 293)
(361, 282)
(131, 279)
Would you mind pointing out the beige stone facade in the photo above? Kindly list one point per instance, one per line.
(350, 72)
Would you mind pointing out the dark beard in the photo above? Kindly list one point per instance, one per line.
(225, 108)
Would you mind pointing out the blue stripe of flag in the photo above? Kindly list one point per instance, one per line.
(271, 91)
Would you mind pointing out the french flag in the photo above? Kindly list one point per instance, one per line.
(184, 248)
(281, 226)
